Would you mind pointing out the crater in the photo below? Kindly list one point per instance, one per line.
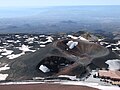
(83, 49)
(54, 64)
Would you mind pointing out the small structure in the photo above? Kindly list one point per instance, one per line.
(110, 76)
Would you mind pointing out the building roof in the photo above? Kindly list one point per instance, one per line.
(110, 74)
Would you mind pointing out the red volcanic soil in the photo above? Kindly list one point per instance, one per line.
(83, 49)
(44, 87)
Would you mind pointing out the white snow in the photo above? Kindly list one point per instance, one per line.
(5, 43)
(49, 40)
(115, 44)
(73, 37)
(118, 43)
(10, 41)
(1, 50)
(30, 42)
(13, 56)
(44, 69)
(108, 46)
(82, 38)
(113, 64)
(96, 73)
(15, 83)
(1, 56)
(36, 37)
(1, 47)
(17, 41)
(30, 39)
(59, 38)
(101, 43)
(42, 36)
(69, 42)
(72, 44)
(25, 36)
(117, 48)
(6, 52)
(70, 77)
(18, 36)
(35, 78)
(4, 68)
(100, 39)
(3, 76)
(42, 45)
(25, 48)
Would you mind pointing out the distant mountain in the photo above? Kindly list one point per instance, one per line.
(68, 22)
(59, 19)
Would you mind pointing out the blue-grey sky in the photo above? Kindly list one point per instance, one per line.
(42, 3)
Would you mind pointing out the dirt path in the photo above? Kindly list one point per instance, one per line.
(44, 87)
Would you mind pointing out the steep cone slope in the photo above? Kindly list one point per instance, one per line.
(83, 48)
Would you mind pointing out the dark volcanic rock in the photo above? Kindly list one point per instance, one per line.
(59, 59)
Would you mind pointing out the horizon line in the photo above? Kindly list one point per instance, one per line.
(55, 6)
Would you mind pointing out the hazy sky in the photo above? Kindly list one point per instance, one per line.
(41, 3)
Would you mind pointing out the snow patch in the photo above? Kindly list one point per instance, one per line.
(117, 48)
(73, 37)
(102, 43)
(6, 52)
(1, 56)
(10, 41)
(13, 56)
(30, 39)
(17, 41)
(3, 76)
(82, 38)
(113, 64)
(72, 44)
(25, 48)
(70, 77)
(118, 43)
(49, 40)
(108, 46)
(18, 36)
(42, 45)
(41, 35)
(19, 83)
(115, 44)
(4, 68)
(100, 39)
(44, 69)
